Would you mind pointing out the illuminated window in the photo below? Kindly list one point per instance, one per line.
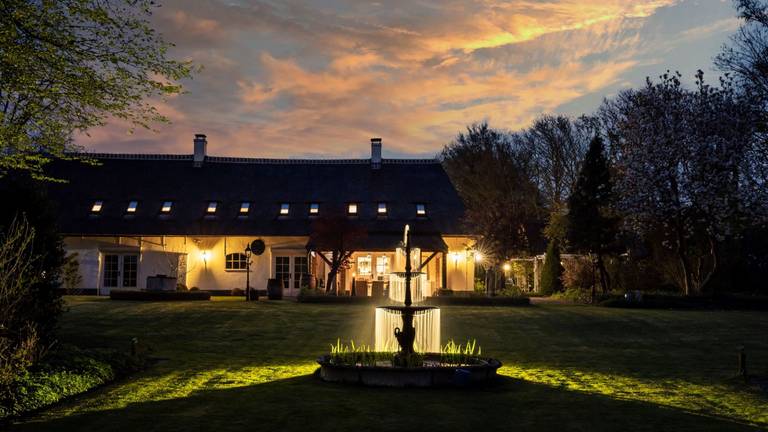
(245, 207)
(314, 208)
(212, 207)
(382, 208)
(421, 210)
(132, 207)
(166, 208)
(235, 261)
(364, 265)
(96, 207)
(352, 209)
(285, 208)
(382, 265)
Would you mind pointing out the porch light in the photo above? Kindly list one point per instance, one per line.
(285, 208)
(166, 208)
(132, 207)
(205, 255)
(211, 207)
(352, 209)
(382, 209)
(507, 267)
(478, 256)
(97, 206)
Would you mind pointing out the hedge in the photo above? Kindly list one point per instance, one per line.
(66, 372)
(159, 295)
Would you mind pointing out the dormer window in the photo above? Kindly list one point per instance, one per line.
(132, 207)
(352, 209)
(245, 207)
(285, 208)
(96, 207)
(314, 208)
(166, 208)
(381, 210)
(421, 210)
(212, 207)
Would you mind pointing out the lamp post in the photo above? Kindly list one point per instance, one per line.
(248, 253)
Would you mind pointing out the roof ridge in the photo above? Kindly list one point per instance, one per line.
(236, 159)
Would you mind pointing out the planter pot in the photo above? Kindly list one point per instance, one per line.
(274, 290)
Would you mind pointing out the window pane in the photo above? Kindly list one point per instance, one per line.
(364, 265)
(314, 208)
(212, 207)
(132, 206)
(97, 206)
(382, 208)
(244, 207)
(352, 209)
(421, 210)
(166, 207)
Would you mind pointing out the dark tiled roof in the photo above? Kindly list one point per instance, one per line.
(265, 183)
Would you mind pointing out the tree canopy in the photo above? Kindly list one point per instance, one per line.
(69, 65)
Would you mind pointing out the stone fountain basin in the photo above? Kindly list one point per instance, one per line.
(481, 373)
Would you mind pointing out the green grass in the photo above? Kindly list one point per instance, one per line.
(230, 365)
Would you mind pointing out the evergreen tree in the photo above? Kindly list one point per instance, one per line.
(591, 228)
(552, 272)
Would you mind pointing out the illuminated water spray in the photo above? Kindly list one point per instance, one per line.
(408, 328)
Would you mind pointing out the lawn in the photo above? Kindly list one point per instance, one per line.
(229, 365)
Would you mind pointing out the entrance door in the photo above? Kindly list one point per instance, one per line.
(293, 273)
(120, 271)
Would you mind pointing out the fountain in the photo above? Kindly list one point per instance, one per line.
(420, 361)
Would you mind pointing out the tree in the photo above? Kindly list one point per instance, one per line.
(686, 168)
(338, 235)
(69, 65)
(592, 227)
(494, 179)
(551, 274)
(746, 58)
(27, 200)
(557, 145)
(71, 271)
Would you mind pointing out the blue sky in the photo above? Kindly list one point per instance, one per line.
(319, 78)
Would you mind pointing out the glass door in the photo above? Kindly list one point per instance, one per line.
(120, 271)
(293, 272)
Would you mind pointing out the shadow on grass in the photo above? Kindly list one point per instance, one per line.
(304, 403)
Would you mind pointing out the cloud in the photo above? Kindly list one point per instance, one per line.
(293, 78)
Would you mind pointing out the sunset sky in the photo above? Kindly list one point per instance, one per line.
(319, 78)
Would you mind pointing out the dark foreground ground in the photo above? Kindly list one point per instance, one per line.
(228, 365)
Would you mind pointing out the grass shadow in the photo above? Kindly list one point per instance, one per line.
(305, 403)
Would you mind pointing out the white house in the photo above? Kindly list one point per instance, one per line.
(134, 216)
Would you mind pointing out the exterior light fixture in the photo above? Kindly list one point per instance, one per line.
(248, 253)
(507, 267)
(352, 209)
(205, 255)
(478, 256)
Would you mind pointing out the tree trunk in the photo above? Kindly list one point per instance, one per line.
(603, 274)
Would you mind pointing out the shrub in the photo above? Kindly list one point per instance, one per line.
(71, 271)
(552, 271)
(65, 372)
(182, 287)
(238, 292)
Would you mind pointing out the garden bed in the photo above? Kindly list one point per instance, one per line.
(718, 302)
(66, 372)
(159, 295)
(477, 300)
(330, 299)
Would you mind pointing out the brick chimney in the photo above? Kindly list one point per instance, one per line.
(375, 153)
(201, 147)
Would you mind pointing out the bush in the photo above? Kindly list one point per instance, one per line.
(181, 287)
(552, 271)
(117, 294)
(66, 372)
(238, 292)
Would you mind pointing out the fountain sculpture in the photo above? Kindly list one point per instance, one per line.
(419, 361)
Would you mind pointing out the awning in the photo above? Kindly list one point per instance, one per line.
(387, 242)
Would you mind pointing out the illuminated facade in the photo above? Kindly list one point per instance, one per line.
(191, 217)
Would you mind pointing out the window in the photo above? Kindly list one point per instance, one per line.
(132, 207)
(96, 207)
(382, 265)
(166, 208)
(236, 261)
(245, 207)
(364, 265)
(285, 208)
(382, 208)
(314, 208)
(300, 272)
(421, 210)
(352, 209)
(283, 270)
(212, 207)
